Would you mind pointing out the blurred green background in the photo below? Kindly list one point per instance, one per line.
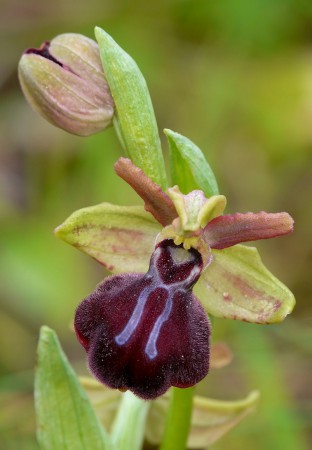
(235, 76)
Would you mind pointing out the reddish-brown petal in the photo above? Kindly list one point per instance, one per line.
(228, 230)
(157, 202)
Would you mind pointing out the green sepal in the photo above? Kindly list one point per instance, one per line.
(134, 119)
(237, 285)
(189, 167)
(122, 238)
(211, 419)
(65, 417)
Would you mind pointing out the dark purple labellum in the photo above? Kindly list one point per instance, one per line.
(147, 332)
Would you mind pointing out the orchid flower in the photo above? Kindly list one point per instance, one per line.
(143, 328)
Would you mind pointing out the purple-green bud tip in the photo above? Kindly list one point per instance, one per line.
(64, 81)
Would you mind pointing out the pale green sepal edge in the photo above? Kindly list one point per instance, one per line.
(211, 418)
(134, 119)
(129, 425)
(122, 238)
(65, 417)
(237, 285)
(189, 168)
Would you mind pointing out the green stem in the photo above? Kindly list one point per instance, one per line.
(129, 425)
(178, 420)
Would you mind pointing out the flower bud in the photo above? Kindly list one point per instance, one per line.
(63, 80)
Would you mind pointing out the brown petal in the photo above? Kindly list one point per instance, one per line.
(228, 230)
(156, 200)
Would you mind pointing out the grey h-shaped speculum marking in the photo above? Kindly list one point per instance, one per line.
(135, 318)
(150, 348)
(127, 332)
(125, 335)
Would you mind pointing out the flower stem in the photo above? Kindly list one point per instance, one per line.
(129, 425)
(178, 420)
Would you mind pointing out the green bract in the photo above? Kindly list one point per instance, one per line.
(134, 120)
(189, 168)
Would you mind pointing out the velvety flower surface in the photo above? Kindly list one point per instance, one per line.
(147, 332)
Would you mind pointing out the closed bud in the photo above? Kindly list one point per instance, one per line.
(63, 80)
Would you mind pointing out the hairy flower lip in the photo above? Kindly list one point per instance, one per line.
(147, 332)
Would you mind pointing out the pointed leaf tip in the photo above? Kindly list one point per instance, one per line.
(189, 167)
(134, 121)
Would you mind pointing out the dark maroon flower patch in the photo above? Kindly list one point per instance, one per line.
(147, 332)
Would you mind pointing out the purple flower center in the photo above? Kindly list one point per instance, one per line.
(148, 332)
(172, 269)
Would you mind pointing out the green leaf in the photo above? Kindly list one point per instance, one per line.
(236, 285)
(134, 120)
(104, 400)
(122, 238)
(65, 417)
(189, 168)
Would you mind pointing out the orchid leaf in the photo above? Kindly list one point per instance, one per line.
(121, 238)
(189, 167)
(236, 285)
(211, 419)
(105, 401)
(134, 119)
(65, 416)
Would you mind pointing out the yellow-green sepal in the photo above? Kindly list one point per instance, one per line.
(122, 238)
(237, 285)
(211, 418)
